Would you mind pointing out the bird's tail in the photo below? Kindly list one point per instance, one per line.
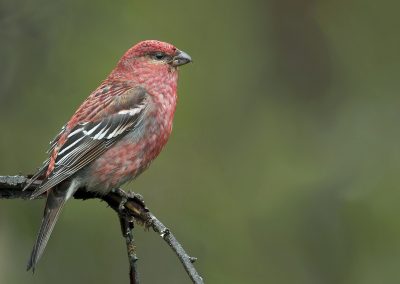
(56, 199)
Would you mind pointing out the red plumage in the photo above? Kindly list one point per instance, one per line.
(116, 132)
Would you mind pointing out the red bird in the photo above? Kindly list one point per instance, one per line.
(115, 134)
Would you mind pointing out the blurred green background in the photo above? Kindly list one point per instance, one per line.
(283, 166)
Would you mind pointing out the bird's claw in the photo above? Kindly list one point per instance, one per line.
(121, 206)
(130, 195)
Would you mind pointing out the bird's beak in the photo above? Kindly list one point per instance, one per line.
(181, 58)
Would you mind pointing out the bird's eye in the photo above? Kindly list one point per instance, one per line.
(159, 56)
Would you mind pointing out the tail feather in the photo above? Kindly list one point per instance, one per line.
(55, 202)
(49, 220)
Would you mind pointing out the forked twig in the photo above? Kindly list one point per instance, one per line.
(128, 207)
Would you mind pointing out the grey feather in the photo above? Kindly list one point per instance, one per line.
(55, 202)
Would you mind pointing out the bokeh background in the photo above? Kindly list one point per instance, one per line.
(284, 162)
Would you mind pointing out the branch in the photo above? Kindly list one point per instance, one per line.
(127, 225)
(127, 206)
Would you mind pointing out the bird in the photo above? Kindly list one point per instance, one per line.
(114, 135)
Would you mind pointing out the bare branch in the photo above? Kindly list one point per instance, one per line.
(127, 226)
(186, 260)
(133, 207)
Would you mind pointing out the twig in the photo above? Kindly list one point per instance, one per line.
(170, 239)
(133, 205)
(151, 221)
(126, 228)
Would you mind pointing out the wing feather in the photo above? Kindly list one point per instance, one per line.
(86, 141)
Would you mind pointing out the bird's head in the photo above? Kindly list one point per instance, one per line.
(152, 55)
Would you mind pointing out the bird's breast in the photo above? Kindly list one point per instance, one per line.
(159, 125)
(134, 153)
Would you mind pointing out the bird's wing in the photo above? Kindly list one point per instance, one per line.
(117, 95)
(87, 140)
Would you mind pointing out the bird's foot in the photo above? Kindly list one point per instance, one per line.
(126, 219)
(130, 195)
(132, 200)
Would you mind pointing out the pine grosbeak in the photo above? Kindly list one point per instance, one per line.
(115, 134)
